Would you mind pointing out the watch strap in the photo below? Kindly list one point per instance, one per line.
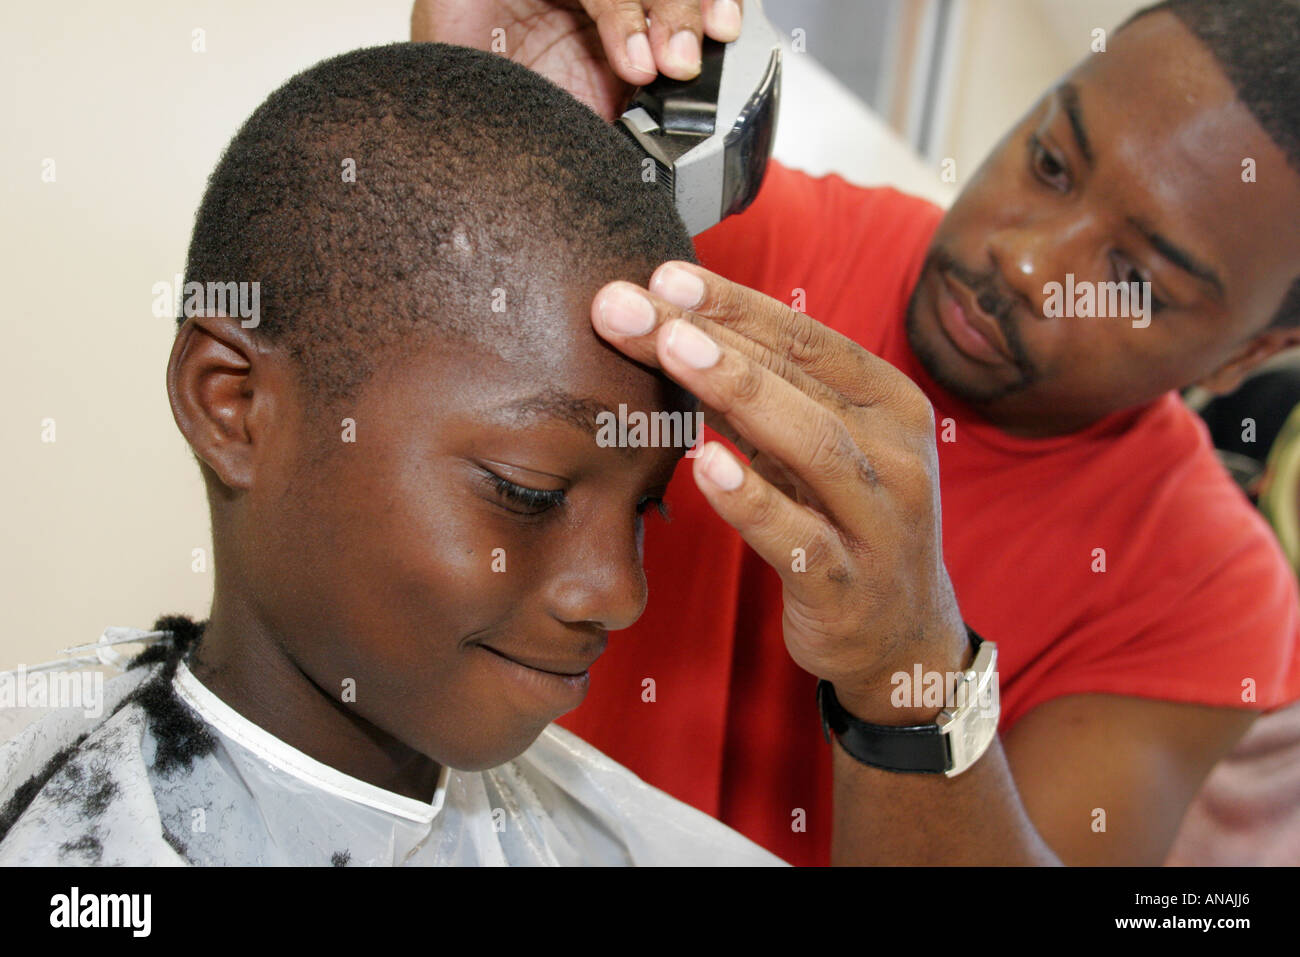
(915, 749)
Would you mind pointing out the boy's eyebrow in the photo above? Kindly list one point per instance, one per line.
(578, 411)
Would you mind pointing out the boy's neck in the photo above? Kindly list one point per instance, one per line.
(240, 662)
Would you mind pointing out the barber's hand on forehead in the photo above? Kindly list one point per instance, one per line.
(598, 50)
(844, 466)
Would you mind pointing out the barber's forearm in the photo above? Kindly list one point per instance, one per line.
(883, 817)
(888, 817)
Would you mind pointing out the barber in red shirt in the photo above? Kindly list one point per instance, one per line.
(1143, 613)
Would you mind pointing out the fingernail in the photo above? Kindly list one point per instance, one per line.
(684, 53)
(724, 20)
(638, 51)
(626, 312)
(676, 285)
(722, 468)
(687, 344)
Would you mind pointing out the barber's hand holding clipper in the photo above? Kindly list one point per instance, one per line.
(598, 50)
(844, 466)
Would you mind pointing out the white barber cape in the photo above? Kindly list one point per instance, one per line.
(244, 797)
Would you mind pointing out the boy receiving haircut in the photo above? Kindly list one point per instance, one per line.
(398, 616)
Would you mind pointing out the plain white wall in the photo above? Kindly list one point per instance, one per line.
(100, 525)
(1009, 53)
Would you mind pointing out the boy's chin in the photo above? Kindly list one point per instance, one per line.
(484, 755)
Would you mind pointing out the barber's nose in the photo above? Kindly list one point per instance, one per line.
(599, 578)
(1020, 255)
(1030, 255)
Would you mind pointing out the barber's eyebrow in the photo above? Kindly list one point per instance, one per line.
(1068, 94)
(1179, 256)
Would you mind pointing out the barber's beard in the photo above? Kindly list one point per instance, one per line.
(992, 300)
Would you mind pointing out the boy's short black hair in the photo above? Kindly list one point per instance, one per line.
(471, 172)
(1257, 45)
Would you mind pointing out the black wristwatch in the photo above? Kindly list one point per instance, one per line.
(963, 731)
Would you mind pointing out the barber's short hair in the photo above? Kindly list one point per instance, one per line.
(1257, 45)
(471, 172)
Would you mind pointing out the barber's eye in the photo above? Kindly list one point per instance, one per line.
(1046, 166)
(523, 500)
(1128, 272)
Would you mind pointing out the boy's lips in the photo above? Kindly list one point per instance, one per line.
(574, 666)
(550, 685)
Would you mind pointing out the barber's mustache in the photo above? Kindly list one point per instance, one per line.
(987, 287)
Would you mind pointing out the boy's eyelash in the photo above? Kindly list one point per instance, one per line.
(535, 500)
(658, 504)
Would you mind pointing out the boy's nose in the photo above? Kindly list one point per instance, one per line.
(598, 578)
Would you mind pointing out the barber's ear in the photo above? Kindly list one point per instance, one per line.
(1251, 356)
(222, 395)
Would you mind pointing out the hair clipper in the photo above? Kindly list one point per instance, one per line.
(710, 137)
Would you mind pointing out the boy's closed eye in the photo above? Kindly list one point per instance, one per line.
(526, 500)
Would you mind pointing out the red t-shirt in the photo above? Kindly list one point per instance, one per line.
(1195, 597)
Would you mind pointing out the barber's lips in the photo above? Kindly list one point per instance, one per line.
(556, 684)
(975, 334)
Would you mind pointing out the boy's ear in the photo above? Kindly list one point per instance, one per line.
(1253, 354)
(222, 395)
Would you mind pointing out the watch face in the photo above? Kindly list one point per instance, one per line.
(975, 728)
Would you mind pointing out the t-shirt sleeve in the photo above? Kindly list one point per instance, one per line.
(1207, 614)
